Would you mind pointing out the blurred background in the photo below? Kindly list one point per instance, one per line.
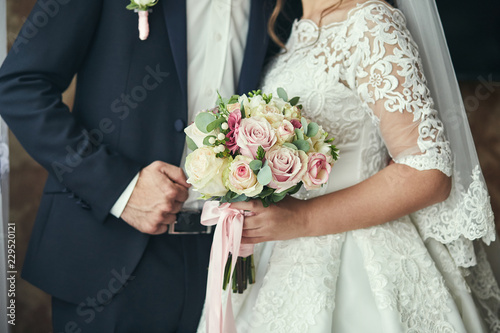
(473, 33)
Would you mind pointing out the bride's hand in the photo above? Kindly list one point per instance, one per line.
(287, 219)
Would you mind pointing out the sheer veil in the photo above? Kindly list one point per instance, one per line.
(466, 216)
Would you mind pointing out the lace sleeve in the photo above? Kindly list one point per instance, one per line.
(388, 77)
(385, 69)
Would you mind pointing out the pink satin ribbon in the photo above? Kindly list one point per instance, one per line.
(227, 239)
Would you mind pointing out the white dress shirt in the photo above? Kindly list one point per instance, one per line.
(216, 38)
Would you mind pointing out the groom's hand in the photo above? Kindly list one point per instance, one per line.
(158, 195)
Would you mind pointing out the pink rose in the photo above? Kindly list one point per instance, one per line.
(318, 171)
(233, 122)
(288, 166)
(255, 132)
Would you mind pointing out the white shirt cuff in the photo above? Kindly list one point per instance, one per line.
(122, 201)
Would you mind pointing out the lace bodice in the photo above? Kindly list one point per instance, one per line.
(362, 80)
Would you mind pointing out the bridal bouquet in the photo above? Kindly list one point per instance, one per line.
(254, 147)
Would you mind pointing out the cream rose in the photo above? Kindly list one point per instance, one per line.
(285, 132)
(288, 166)
(255, 132)
(205, 172)
(318, 171)
(241, 179)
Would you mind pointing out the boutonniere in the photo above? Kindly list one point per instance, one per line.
(142, 8)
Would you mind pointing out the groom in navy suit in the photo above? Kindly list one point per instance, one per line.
(108, 271)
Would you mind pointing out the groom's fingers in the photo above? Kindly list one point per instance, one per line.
(174, 191)
(174, 173)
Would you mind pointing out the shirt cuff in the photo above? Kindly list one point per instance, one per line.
(122, 201)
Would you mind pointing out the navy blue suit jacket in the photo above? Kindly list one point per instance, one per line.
(130, 110)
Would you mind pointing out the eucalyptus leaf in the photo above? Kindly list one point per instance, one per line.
(190, 143)
(202, 120)
(265, 175)
(294, 101)
(304, 124)
(282, 94)
(255, 165)
(290, 145)
(214, 124)
(312, 129)
(302, 145)
(299, 134)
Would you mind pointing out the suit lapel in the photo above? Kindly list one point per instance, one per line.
(175, 19)
(255, 49)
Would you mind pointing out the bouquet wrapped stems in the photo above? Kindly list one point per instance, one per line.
(243, 275)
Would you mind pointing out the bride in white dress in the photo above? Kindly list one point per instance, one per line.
(365, 254)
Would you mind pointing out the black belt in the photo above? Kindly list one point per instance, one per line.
(188, 223)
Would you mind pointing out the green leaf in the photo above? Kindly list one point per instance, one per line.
(304, 124)
(233, 99)
(203, 119)
(276, 197)
(255, 165)
(239, 198)
(261, 153)
(282, 94)
(190, 143)
(242, 109)
(299, 134)
(335, 152)
(265, 175)
(294, 101)
(302, 145)
(267, 191)
(312, 129)
(294, 189)
(132, 6)
(205, 141)
(214, 124)
(290, 145)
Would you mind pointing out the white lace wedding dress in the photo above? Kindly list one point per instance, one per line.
(361, 79)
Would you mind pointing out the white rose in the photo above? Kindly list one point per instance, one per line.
(205, 172)
(196, 135)
(144, 2)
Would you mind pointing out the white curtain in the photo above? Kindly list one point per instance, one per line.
(4, 182)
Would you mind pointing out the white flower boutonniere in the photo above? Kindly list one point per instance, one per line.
(142, 8)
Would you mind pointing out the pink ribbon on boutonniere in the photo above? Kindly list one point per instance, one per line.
(227, 239)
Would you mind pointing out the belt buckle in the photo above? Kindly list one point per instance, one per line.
(188, 219)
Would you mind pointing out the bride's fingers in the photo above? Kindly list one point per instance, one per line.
(253, 222)
(253, 240)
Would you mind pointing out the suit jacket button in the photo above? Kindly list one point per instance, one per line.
(179, 125)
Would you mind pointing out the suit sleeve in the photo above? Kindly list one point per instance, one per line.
(48, 52)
